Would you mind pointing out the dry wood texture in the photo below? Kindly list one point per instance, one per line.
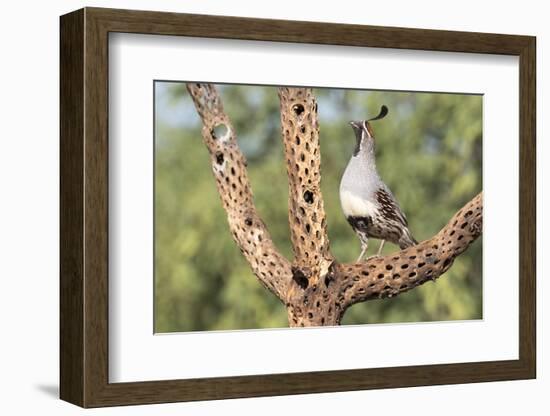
(315, 288)
(229, 168)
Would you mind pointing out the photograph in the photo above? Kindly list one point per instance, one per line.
(370, 176)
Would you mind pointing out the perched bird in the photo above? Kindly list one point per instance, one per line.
(368, 204)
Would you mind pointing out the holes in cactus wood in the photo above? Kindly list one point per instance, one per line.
(300, 278)
(298, 109)
(219, 158)
(308, 197)
(220, 131)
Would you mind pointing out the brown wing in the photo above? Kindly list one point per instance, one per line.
(389, 206)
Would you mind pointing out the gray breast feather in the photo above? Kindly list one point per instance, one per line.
(360, 177)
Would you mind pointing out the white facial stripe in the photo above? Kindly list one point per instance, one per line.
(366, 130)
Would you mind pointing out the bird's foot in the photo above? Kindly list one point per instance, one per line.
(374, 256)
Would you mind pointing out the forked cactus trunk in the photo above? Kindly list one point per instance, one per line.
(315, 288)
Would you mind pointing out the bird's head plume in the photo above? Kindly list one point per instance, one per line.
(363, 130)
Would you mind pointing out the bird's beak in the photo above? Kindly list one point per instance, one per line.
(356, 124)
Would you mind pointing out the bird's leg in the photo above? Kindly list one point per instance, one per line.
(379, 251)
(380, 248)
(364, 247)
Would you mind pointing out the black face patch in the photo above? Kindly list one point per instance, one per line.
(358, 135)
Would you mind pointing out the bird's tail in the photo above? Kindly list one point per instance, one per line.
(407, 240)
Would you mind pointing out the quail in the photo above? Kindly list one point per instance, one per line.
(367, 202)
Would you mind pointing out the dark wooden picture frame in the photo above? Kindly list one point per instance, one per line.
(84, 207)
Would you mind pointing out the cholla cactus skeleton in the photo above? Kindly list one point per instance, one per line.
(315, 288)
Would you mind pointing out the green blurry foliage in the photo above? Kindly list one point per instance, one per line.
(429, 152)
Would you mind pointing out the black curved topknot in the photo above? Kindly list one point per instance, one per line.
(383, 113)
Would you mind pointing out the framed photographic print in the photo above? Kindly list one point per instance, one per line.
(260, 207)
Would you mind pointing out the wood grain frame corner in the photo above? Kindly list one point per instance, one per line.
(84, 207)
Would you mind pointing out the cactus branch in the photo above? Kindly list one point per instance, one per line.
(229, 169)
(306, 213)
(396, 273)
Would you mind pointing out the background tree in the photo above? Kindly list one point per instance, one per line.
(429, 153)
